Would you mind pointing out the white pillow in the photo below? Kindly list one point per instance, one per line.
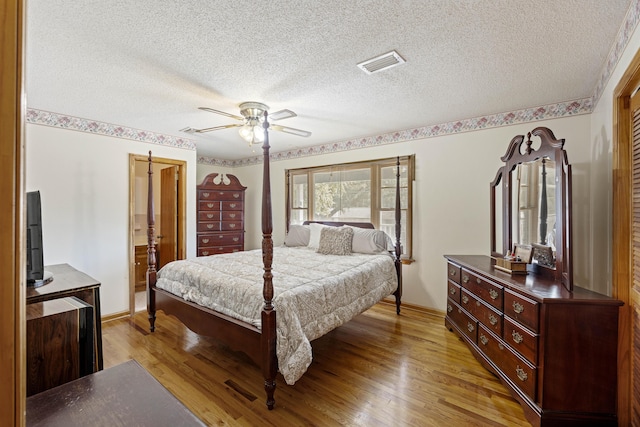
(370, 241)
(314, 236)
(298, 235)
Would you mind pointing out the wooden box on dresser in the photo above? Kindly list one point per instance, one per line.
(220, 215)
(556, 351)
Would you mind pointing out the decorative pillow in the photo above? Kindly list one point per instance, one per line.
(369, 241)
(298, 235)
(335, 241)
(314, 235)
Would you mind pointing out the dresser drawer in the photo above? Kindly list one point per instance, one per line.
(453, 291)
(484, 313)
(232, 216)
(232, 206)
(463, 320)
(204, 205)
(219, 250)
(224, 195)
(521, 339)
(209, 216)
(453, 273)
(208, 226)
(522, 373)
(522, 309)
(485, 290)
(219, 239)
(231, 226)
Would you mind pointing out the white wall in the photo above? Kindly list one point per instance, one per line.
(83, 179)
(601, 151)
(451, 197)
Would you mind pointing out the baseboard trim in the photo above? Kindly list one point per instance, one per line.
(415, 307)
(115, 316)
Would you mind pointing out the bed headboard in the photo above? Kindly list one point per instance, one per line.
(340, 224)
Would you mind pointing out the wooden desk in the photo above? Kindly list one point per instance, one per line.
(124, 395)
(69, 282)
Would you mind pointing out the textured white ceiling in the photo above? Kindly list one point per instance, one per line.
(149, 64)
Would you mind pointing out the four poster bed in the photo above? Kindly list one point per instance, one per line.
(232, 297)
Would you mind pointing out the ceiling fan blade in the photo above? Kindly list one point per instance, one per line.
(292, 131)
(282, 114)
(211, 110)
(192, 130)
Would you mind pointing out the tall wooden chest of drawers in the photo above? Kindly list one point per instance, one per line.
(220, 215)
(556, 351)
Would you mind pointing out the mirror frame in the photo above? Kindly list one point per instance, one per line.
(522, 151)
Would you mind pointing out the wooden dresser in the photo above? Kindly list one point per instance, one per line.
(554, 350)
(220, 215)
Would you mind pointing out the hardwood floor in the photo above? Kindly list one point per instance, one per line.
(379, 369)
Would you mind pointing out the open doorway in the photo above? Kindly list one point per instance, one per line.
(169, 187)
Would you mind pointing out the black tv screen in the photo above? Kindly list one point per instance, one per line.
(36, 275)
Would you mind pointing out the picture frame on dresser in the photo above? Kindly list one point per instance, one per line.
(552, 344)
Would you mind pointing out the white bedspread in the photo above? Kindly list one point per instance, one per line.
(313, 293)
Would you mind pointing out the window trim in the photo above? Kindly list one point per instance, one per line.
(376, 166)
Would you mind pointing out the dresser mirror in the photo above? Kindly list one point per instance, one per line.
(531, 204)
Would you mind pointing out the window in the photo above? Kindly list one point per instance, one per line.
(362, 192)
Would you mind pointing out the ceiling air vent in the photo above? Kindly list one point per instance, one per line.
(382, 62)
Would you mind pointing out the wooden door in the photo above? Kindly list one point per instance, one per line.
(634, 285)
(168, 236)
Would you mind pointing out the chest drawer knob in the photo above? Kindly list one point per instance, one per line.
(465, 299)
(522, 375)
(470, 326)
(493, 294)
(517, 307)
(517, 338)
(493, 319)
(465, 278)
(483, 339)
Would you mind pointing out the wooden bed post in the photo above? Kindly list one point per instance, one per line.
(398, 248)
(151, 251)
(268, 335)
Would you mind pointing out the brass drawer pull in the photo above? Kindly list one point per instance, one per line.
(493, 319)
(232, 225)
(209, 226)
(478, 280)
(236, 195)
(220, 236)
(233, 205)
(449, 308)
(493, 294)
(235, 239)
(517, 338)
(465, 278)
(232, 215)
(452, 272)
(205, 240)
(517, 307)
(465, 299)
(521, 373)
(221, 193)
(478, 303)
(471, 327)
(484, 340)
(205, 252)
(205, 194)
(452, 290)
(209, 215)
(210, 205)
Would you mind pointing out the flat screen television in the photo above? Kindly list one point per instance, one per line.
(36, 274)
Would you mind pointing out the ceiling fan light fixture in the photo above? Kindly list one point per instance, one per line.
(252, 132)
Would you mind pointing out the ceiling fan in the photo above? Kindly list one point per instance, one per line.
(252, 118)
